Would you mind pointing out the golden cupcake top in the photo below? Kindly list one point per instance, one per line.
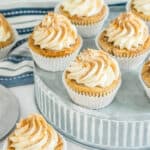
(142, 6)
(5, 29)
(83, 7)
(146, 73)
(93, 68)
(55, 32)
(34, 133)
(127, 31)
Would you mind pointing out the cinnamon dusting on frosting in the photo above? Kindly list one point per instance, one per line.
(142, 6)
(34, 133)
(55, 32)
(93, 68)
(127, 31)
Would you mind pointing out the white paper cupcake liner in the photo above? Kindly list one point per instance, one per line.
(147, 89)
(4, 51)
(91, 102)
(87, 31)
(128, 5)
(52, 63)
(127, 64)
(5, 145)
(148, 23)
(128, 9)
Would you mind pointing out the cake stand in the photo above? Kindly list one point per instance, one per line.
(125, 124)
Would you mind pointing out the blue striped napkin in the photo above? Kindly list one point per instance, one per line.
(17, 68)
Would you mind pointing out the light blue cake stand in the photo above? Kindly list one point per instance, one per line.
(125, 124)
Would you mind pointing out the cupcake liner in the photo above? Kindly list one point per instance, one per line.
(5, 144)
(148, 23)
(64, 141)
(127, 63)
(54, 63)
(146, 88)
(4, 147)
(90, 30)
(128, 5)
(4, 51)
(91, 102)
(132, 63)
(128, 9)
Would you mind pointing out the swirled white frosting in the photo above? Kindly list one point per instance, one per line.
(127, 31)
(55, 32)
(5, 30)
(83, 7)
(93, 68)
(142, 6)
(34, 133)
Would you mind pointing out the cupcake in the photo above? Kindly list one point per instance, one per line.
(87, 15)
(34, 133)
(140, 8)
(127, 39)
(7, 36)
(145, 77)
(92, 79)
(54, 42)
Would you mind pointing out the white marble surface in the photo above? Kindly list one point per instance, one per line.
(25, 95)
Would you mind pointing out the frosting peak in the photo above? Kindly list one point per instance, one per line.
(94, 68)
(33, 133)
(142, 6)
(55, 32)
(83, 7)
(127, 31)
(5, 29)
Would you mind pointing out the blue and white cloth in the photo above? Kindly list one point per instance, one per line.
(17, 68)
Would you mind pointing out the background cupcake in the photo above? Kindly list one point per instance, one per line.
(140, 8)
(127, 39)
(7, 36)
(145, 77)
(87, 15)
(54, 42)
(93, 79)
(36, 134)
